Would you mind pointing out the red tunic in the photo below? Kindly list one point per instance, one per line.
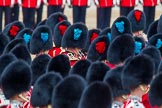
(105, 3)
(112, 66)
(79, 2)
(5, 2)
(127, 3)
(20, 105)
(55, 51)
(145, 101)
(16, 2)
(55, 2)
(149, 2)
(29, 3)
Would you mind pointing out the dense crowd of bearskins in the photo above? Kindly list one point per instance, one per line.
(32, 10)
(64, 65)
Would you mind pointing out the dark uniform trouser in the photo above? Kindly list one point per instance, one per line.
(53, 9)
(29, 17)
(6, 10)
(62, 9)
(125, 10)
(79, 14)
(15, 13)
(39, 13)
(103, 17)
(150, 16)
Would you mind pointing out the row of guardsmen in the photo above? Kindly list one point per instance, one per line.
(104, 8)
(73, 67)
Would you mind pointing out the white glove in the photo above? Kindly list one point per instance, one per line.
(45, 2)
(136, 2)
(38, 3)
(158, 2)
(19, 2)
(114, 2)
(141, 1)
(96, 2)
(89, 3)
(117, 2)
(12, 4)
(69, 3)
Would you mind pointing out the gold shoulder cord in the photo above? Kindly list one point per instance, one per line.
(22, 97)
(144, 89)
(125, 97)
(49, 106)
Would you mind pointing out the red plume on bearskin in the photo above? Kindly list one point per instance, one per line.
(62, 29)
(93, 37)
(100, 47)
(137, 15)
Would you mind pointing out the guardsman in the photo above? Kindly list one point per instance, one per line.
(42, 97)
(126, 6)
(96, 72)
(41, 40)
(59, 31)
(74, 41)
(96, 95)
(15, 11)
(149, 10)
(98, 50)
(39, 12)
(5, 7)
(28, 10)
(79, 10)
(103, 12)
(154, 94)
(137, 19)
(16, 83)
(54, 6)
(68, 92)
(125, 48)
(59, 64)
(12, 29)
(113, 78)
(137, 75)
(5, 60)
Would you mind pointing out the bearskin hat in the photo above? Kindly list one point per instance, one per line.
(39, 66)
(16, 78)
(75, 36)
(68, 92)
(98, 49)
(43, 89)
(96, 95)
(120, 49)
(138, 70)
(60, 64)
(41, 40)
(80, 68)
(96, 71)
